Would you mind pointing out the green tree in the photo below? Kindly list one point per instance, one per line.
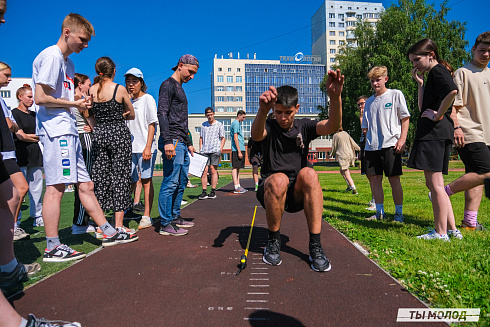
(386, 44)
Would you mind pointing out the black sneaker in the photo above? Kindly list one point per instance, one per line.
(139, 207)
(272, 253)
(120, 237)
(62, 253)
(130, 214)
(13, 278)
(203, 196)
(212, 195)
(319, 261)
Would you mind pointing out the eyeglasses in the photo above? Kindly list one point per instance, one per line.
(360, 104)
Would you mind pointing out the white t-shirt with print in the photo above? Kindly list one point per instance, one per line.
(382, 118)
(145, 113)
(51, 69)
(211, 137)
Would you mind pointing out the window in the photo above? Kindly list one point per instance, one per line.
(198, 129)
(332, 33)
(341, 16)
(239, 99)
(225, 157)
(341, 33)
(349, 8)
(351, 23)
(230, 99)
(219, 88)
(229, 89)
(351, 14)
(238, 79)
(246, 126)
(341, 25)
(5, 94)
(332, 51)
(238, 70)
(238, 89)
(220, 79)
(301, 80)
(229, 109)
(331, 15)
(321, 155)
(221, 109)
(341, 42)
(220, 99)
(229, 79)
(359, 16)
(220, 69)
(239, 108)
(332, 42)
(331, 24)
(332, 59)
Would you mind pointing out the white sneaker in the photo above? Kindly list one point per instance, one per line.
(183, 203)
(455, 233)
(145, 222)
(38, 222)
(433, 235)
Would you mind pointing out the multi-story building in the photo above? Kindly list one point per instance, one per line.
(332, 25)
(237, 83)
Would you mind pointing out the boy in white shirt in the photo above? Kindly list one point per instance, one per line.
(53, 74)
(143, 139)
(385, 122)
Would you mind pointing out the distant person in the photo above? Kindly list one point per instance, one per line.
(361, 101)
(9, 158)
(238, 151)
(53, 77)
(111, 170)
(175, 144)
(344, 147)
(28, 152)
(85, 125)
(435, 133)
(255, 159)
(386, 120)
(289, 181)
(471, 116)
(144, 146)
(211, 142)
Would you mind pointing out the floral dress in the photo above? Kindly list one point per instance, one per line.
(111, 170)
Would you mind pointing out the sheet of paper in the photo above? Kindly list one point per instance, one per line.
(198, 164)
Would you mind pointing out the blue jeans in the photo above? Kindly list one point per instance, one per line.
(174, 182)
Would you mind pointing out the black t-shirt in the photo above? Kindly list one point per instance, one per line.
(254, 148)
(439, 84)
(287, 151)
(27, 153)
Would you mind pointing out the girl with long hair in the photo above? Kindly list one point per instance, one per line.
(111, 170)
(435, 132)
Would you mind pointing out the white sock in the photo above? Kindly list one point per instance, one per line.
(353, 187)
(237, 186)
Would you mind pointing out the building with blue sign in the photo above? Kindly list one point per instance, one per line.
(238, 83)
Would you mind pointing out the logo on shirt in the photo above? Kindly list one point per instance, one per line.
(65, 162)
(63, 143)
(388, 105)
(65, 153)
(67, 84)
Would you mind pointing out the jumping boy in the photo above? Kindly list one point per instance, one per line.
(53, 73)
(471, 119)
(385, 122)
(289, 182)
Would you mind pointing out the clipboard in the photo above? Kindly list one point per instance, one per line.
(198, 164)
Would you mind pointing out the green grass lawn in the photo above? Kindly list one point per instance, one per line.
(451, 275)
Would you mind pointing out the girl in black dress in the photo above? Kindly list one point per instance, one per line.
(435, 133)
(111, 170)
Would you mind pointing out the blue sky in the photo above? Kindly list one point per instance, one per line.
(152, 35)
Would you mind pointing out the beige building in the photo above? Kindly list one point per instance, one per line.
(332, 25)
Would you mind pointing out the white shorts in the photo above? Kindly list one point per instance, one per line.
(63, 160)
(143, 167)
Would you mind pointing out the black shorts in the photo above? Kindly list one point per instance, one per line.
(430, 155)
(384, 160)
(289, 205)
(12, 166)
(4, 175)
(256, 160)
(476, 157)
(237, 162)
